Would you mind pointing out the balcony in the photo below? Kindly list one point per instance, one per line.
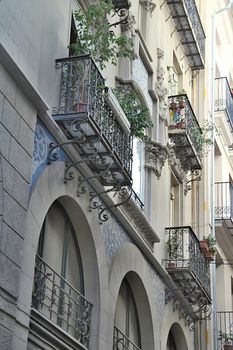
(225, 329)
(223, 211)
(61, 303)
(184, 132)
(224, 201)
(93, 121)
(224, 99)
(121, 342)
(189, 27)
(187, 265)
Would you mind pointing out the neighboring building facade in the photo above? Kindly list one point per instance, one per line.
(99, 230)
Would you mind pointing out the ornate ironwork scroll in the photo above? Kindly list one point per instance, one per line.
(196, 176)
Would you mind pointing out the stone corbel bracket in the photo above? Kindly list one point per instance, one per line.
(149, 5)
(177, 168)
(155, 157)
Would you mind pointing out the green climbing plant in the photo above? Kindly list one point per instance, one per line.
(203, 136)
(137, 114)
(96, 38)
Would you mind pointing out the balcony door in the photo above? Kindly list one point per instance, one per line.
(126, 321)
(58, 274)
(59, 248)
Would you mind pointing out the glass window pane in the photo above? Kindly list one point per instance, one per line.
(120, 314)
(134, 333)
(73, 268)
(138, 172)
(53, 238)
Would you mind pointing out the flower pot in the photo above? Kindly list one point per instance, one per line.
(209, 256)
(80, 107)
(181, 125)
(182, 104)
(228, 347)
(204, 246)
(172, 127)
(171, 265)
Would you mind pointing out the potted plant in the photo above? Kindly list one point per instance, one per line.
(208, 246)
(174, 243)
(226, 339)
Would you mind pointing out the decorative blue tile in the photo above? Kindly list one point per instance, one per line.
(40, 153)
(159, 291)
(114, 236)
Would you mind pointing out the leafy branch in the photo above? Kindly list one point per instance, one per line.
(203, 138)
(137, 114)
(96, 38)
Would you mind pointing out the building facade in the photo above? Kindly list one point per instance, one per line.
(100, 229)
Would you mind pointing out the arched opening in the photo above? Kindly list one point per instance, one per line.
(171, 344)
(58, 235)
(126, 322)
(58, 292)
(176, 338)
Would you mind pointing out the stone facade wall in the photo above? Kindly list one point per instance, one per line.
(17, 123)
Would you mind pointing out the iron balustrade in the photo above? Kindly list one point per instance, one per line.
(224, 98)
(185, 132)
(225, 327)
(82, 107)
(196, 24)
(190, 30)
(137, 200)
(60, 302)
(184, 255)
(223, 201)
(122, 342)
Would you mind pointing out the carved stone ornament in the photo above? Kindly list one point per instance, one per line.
(177, 168)
(160, 87)
(155, 157)
(148, 5)
(172, 81)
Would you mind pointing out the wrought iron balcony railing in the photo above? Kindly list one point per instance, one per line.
(187, 265)
(185, 132)
(225, 328)
(224, 98)
(223, 201)
(61, 303)
(86, 117)
(121, 342)
(189, 27)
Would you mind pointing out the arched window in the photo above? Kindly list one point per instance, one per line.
(127, 329)
(58, 280)
(58, 246)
